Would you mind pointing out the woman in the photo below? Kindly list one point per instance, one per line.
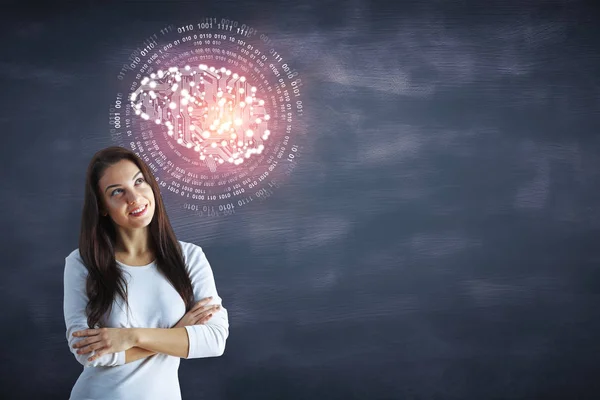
(149, 298)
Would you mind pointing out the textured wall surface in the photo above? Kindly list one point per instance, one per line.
(437, 240)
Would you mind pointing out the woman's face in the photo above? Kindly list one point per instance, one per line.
(123, 189)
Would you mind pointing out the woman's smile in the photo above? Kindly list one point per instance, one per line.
(139, 212)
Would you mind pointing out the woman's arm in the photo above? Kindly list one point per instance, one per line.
(171, 341)
(209, 339)
(74, 304)
(137, 353)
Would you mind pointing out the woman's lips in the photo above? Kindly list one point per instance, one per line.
(141, 213)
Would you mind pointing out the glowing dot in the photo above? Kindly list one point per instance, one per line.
(224, 143)
(187, 67)
(192, 127)
(184, 102)
(249, 133)
(152, 75)
(236, 76)
(137, 112)
(192, 83)
(220, 161)
(190, 109)
(258, 120)
(133, 96)
(240, 143)
(157, 121)
(145, 80)
(179, 141)
(173, 105)
(228, 72)
(233, 135)
(261, 102)
(249, 99)
(174, 87)
(238, 121)
(253, 89)
(188, 145)
(267, 117)
(222, 102)
(241, 90)
(184, 92)
(213, 145)
(152, 84)
(243, 79)
(145, 116)
(202, 66)
(160, 73)
(267, 132)
(242, 104)
(206, 134)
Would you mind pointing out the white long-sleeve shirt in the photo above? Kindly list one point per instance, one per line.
(153, 303)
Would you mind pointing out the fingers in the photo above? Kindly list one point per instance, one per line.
(206, 310)
(95, 356)
(88, 347)
(201, 303)
(85, 342)
(202, 320)
(206, 318)
(87, 332)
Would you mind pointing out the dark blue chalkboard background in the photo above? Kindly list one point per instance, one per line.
(438, 240)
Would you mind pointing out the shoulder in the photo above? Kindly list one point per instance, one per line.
(74, 263)
(190, 249)
(74, 255)
(194, 257)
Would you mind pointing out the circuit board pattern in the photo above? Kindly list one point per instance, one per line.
(212, 110)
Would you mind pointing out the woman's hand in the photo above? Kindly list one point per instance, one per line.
(104, 341)
(199, 314)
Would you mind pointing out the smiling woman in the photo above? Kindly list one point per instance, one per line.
(136, 299)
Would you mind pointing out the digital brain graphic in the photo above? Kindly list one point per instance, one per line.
(214, 110)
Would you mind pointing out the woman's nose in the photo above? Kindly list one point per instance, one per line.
(133, 199)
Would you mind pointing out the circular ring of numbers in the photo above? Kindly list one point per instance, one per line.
(214, 110)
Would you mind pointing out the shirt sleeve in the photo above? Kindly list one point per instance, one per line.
(208, 339)
(74, 304)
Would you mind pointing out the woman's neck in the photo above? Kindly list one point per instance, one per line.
(134, 244)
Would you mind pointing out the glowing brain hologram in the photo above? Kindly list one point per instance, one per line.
(214, 110)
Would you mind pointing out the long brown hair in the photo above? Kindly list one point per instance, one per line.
(98, 235)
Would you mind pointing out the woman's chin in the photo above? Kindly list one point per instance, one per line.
(137, 222)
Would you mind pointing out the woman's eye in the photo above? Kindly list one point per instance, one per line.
(137, 180)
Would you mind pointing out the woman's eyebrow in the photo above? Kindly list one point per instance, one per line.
(109, 186)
